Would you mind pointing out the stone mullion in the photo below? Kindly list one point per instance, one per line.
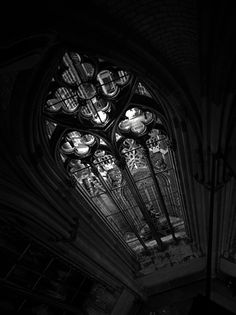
(170, 195)
(123, 104)
(128, 207)
(138, 198)
(131, 208)
(167, 193)
(158, 190)
(113, 197)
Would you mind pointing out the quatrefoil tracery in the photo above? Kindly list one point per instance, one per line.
(80, 87)
(83, 88)
(75, 142)
(136, 121)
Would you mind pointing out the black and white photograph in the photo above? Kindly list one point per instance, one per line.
(118, 157)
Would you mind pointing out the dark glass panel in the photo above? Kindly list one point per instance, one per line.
(121, 195)
(50, 127)
(141, 90)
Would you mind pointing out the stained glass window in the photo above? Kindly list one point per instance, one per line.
(109, 138)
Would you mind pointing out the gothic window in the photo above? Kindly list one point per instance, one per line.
(107, 136)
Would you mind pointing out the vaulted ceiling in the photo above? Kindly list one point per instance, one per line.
(184, 52)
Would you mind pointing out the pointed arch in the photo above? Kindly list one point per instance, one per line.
(107, 136)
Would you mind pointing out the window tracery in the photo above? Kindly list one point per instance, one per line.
(116, 150)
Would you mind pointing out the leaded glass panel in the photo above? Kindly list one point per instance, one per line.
(115, 149)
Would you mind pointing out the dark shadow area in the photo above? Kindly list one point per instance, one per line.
(202, 304)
